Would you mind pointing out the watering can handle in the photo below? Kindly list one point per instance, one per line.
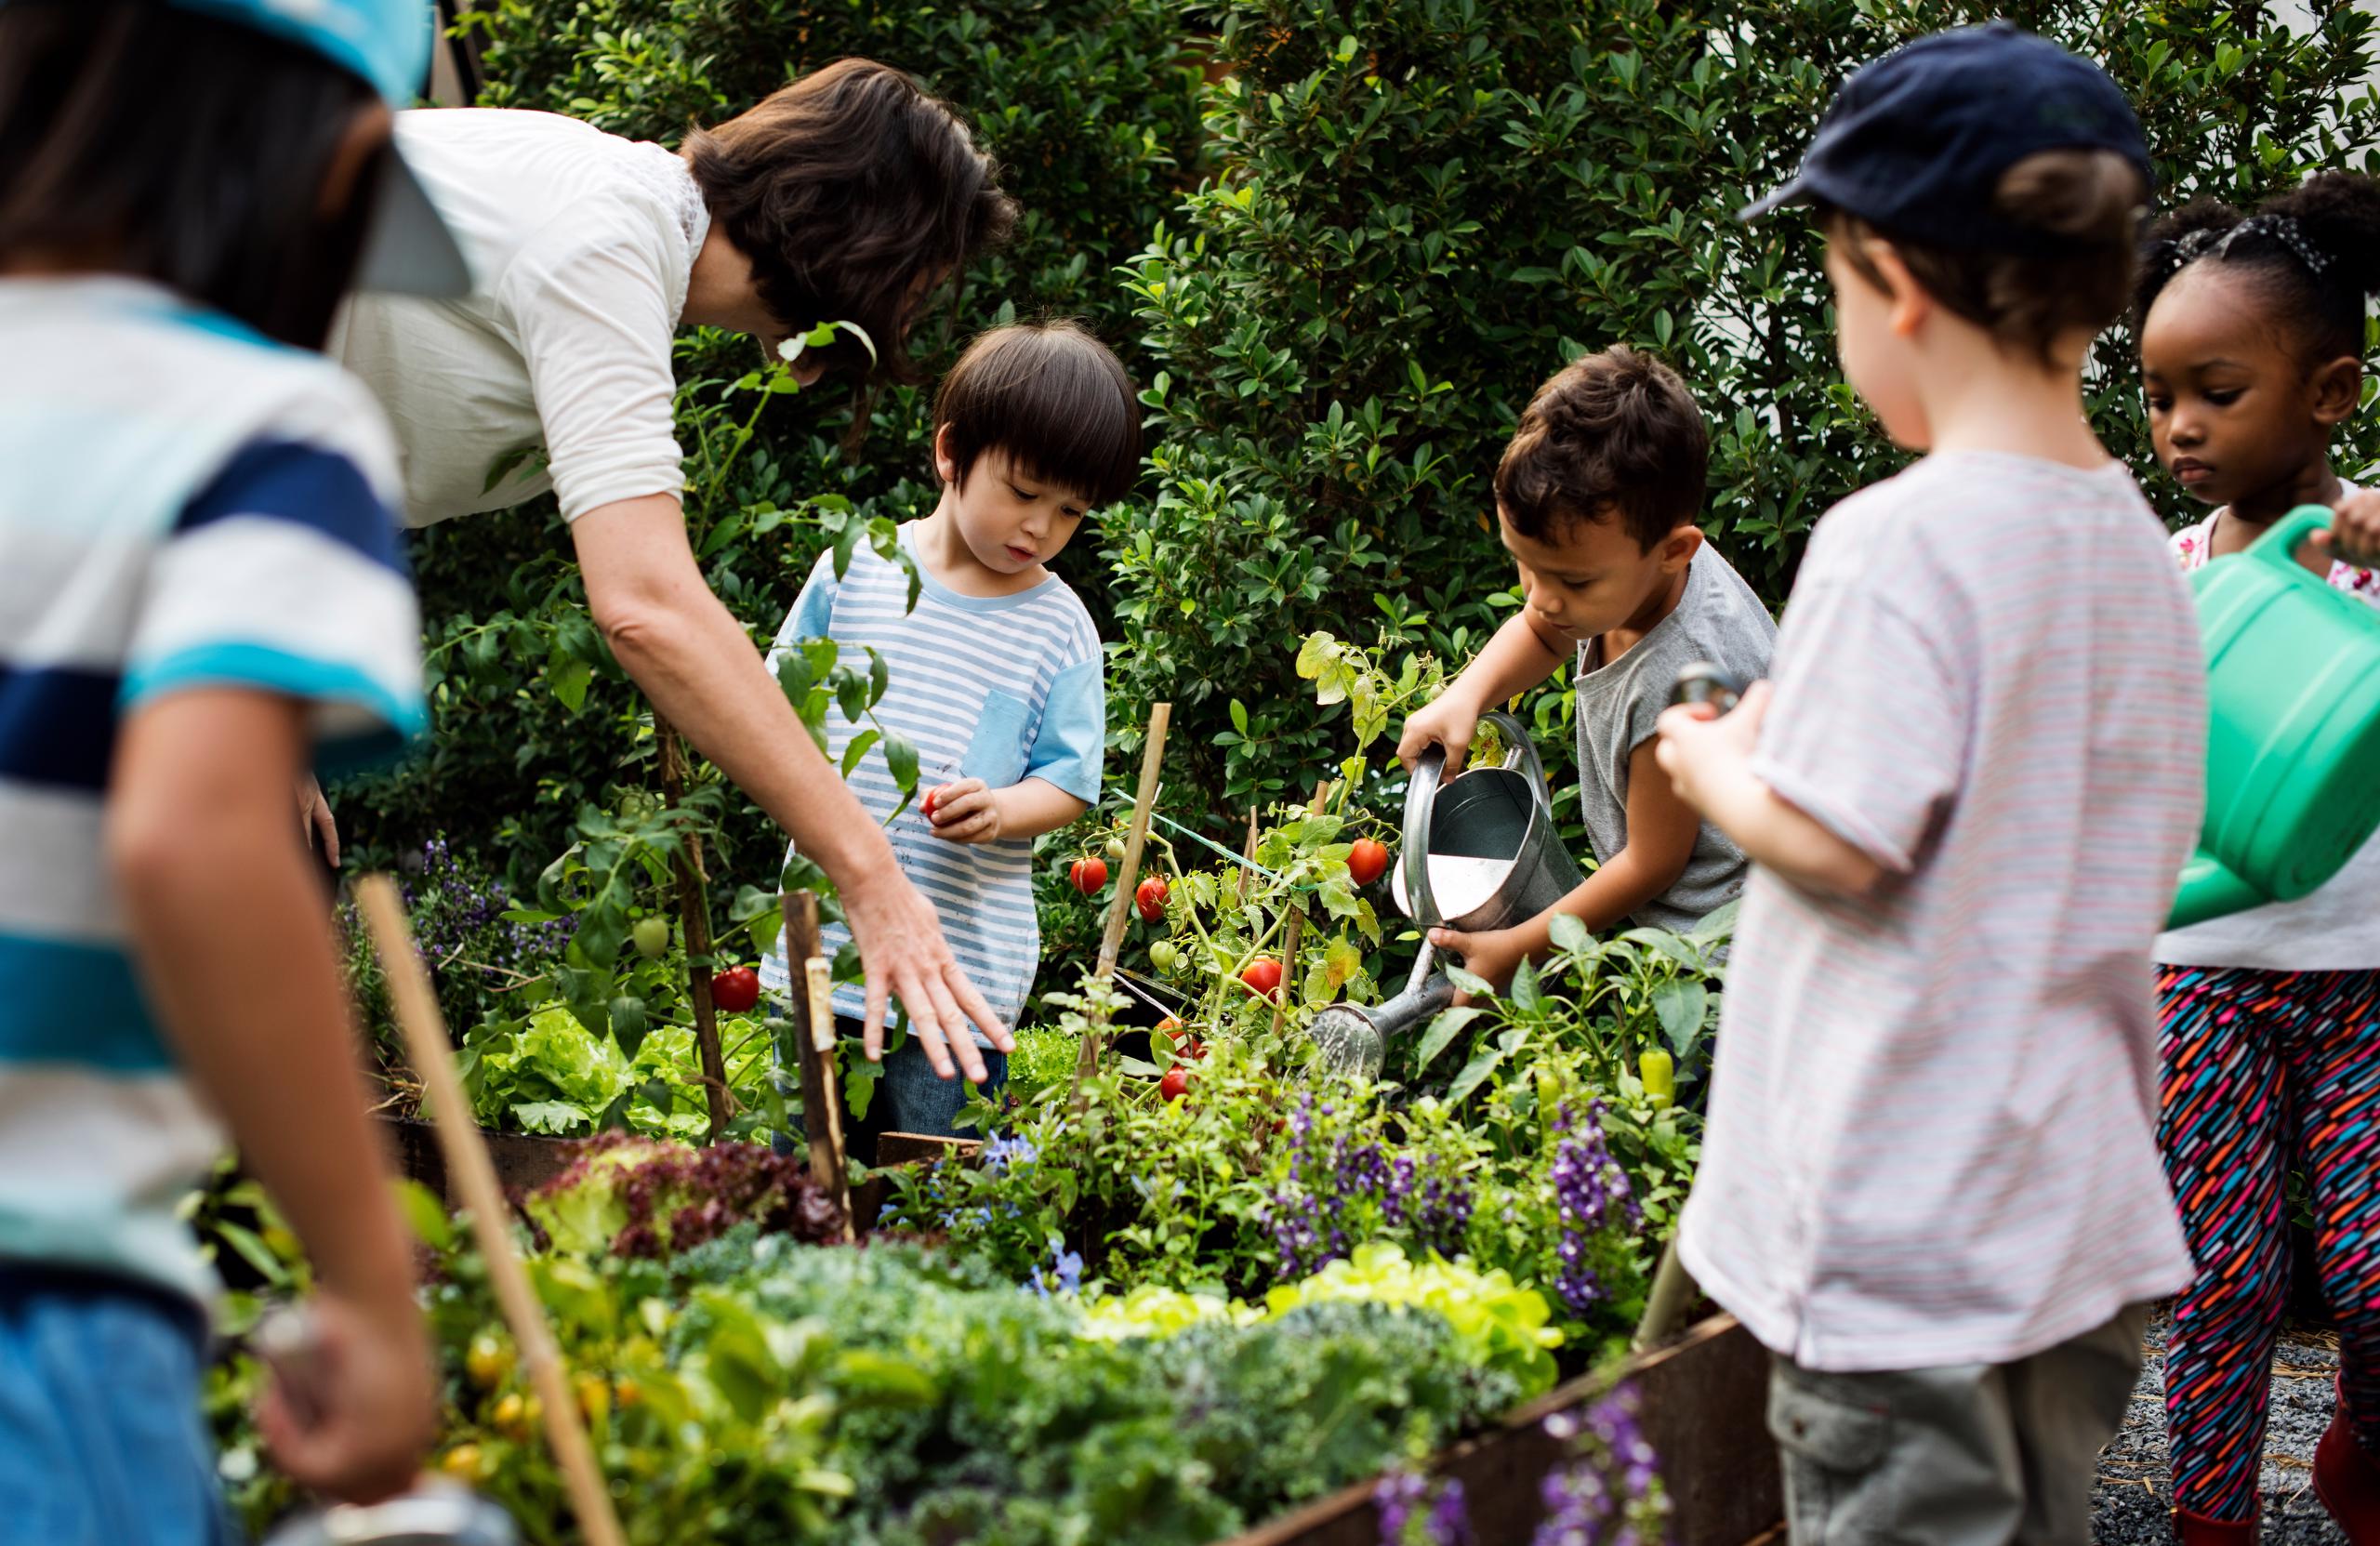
(2209, 891)
(2279, 545)
(1422, 799)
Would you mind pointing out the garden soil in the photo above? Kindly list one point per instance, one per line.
(2135, 1491)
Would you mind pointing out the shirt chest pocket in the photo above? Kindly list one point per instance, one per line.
(996, 752)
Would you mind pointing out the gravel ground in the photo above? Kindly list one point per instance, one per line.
(2135, 1492)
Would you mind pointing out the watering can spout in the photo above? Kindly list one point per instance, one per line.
(2210, 891)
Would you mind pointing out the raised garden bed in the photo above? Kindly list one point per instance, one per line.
(1704, 1400)
(1701, 1405)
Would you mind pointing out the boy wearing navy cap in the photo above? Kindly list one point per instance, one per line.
(1931, 1185)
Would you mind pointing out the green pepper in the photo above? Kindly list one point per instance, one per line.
(1659, 1070)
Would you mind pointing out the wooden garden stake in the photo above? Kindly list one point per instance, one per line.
(1673, 1288)
(1247, 854)
(1112, 943)
(821, 1096)
(468, 1163)
(693, 917)
(1297, 926)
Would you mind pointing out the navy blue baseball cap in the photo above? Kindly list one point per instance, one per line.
(1916, 143)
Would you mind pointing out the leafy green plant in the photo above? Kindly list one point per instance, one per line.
(549, 1075)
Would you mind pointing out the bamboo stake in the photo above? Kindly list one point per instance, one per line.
(1248, 854)
(821, 1095)
(1297, 927)
(693, 917)
(1111, 943)
(467, 1164)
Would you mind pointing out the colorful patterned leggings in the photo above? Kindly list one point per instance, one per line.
(2261, 1069)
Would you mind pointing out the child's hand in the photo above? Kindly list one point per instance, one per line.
(1699, 746)
(966, 812)
(1449, 722)
(2355, 539)
(1494, 954)
(356, 1421)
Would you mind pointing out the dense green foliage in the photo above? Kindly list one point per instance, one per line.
(1397, 217)
(1422, 208)
(760, 1388)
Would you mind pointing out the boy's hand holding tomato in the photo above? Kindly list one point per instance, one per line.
(967, 812)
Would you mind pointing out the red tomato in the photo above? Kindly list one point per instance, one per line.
(1175, 1084)
(736, 989)
(1263, 975)
(929, 794)
(1169, 1024)
(1089, 875)
(1149, 897)
(1367, 863)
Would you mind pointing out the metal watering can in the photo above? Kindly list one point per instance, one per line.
(1501, 820)
(2292, 754)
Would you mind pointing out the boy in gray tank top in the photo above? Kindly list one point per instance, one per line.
(1596, 500)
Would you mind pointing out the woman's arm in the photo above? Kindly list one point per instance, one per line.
(700, 668)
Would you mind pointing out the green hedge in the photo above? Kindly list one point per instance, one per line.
(1093, 108)
(1422, 208)
(1339, 268)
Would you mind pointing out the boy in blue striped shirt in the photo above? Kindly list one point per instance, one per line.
(995, 674)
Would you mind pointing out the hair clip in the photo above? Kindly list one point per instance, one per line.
(2282, 228)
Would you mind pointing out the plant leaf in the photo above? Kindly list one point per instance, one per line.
(1475, 1073)
(1681, 1007)
(1570, 934)
(1443, 1029)
(1471, 983)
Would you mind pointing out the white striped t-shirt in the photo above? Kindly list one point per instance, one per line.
(1931, 1135)
(1000, 688)
(184, 506)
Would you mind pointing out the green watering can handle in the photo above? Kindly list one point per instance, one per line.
(2280, 545)
(2210, 891)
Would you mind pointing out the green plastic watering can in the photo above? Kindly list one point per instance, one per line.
(2292, 756)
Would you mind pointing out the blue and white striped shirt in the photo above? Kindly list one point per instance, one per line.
(1000, 688)
(182, 505)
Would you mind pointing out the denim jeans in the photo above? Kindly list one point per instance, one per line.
(101, 1440)
(911, 1098)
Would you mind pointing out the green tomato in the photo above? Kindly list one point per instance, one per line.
(1116, 849)
(1165, 956)
(651, 936)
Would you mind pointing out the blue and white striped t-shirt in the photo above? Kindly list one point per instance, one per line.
(182, 505)
(1000, 688)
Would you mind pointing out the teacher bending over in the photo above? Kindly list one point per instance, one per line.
(844, 197)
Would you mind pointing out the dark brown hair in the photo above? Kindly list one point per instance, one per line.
(2085, 203)
(149, 140)
(1614, 432)
(847, 189)
(2315, 253)
(1053, 396)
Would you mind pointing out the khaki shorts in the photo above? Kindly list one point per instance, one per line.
(1969, 1455)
